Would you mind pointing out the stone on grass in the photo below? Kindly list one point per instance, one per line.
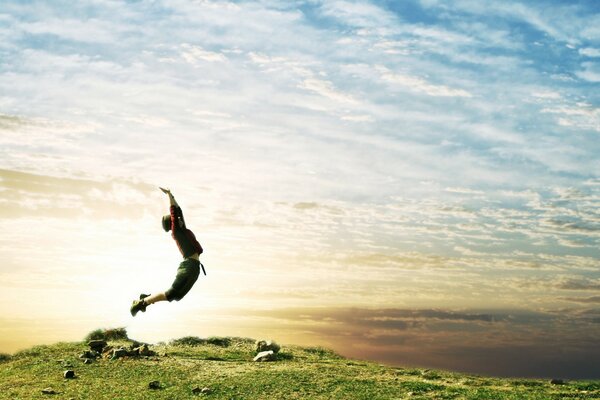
(154, 385)
(86, 354)
(265, 345)
(48, 391)
(69, 374)
(204, 390)
(557, 382)
(118, 353)
(89, 354)
(144, 351)
(268, 355)
(107, 352)
(97, 345)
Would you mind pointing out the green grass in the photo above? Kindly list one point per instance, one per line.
(225, 366)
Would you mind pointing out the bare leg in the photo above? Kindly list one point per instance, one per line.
(155, 298)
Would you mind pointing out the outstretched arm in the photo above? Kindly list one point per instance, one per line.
(177, 219)
(172, 200)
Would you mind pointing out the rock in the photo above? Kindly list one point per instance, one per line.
(204, 390)
(97, 345)
(118, 353)
(144, 351)
(265, 345)
(89, 354)
(107, 352)
(557, 382)
(69, 374)
(154, 385)
(48, 391)
(265, 356)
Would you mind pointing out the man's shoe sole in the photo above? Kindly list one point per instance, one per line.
(135, 307)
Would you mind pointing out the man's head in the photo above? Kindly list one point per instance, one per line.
(166, 223)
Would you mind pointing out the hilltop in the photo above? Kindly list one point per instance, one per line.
(223, 368)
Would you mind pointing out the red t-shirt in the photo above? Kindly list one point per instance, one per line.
(185, 239)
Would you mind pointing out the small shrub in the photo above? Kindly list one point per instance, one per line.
(108, 334)
(197, 341)
(284, 356)
(95, 335)
(413, 372)
(5, 357)
(219, 341)
(588, 385)
(188, 341)
(242, 340)
(322, 352)
(431, 375)
(116, 334)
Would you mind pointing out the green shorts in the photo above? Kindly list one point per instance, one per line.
(187, 275)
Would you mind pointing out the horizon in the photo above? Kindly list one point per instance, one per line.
(413, 183)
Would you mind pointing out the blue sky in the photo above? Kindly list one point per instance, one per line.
(380, 156)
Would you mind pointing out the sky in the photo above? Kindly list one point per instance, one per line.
(415, 183)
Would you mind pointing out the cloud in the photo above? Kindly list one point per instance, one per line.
(550, 21)
(357, 118)
(585, 300)
(589, 52)
(326, 89)
(360, 14)
(420, 85)
(582, 116)
(44, 196)
(570, 283)
(89, 31)
(547, 95)
(589, 72)
(306, 205)
(440, 338)
(193, 54)
(10, 122)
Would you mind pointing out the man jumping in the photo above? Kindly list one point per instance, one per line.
(188, 270)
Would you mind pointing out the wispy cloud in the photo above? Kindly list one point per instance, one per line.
(592, 299)
(420, 85)
(193, 54)
(589, 52)
(589, 72)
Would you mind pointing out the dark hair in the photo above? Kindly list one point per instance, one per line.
(166, 223)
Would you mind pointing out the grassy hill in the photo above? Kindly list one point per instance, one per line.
(223, 367)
